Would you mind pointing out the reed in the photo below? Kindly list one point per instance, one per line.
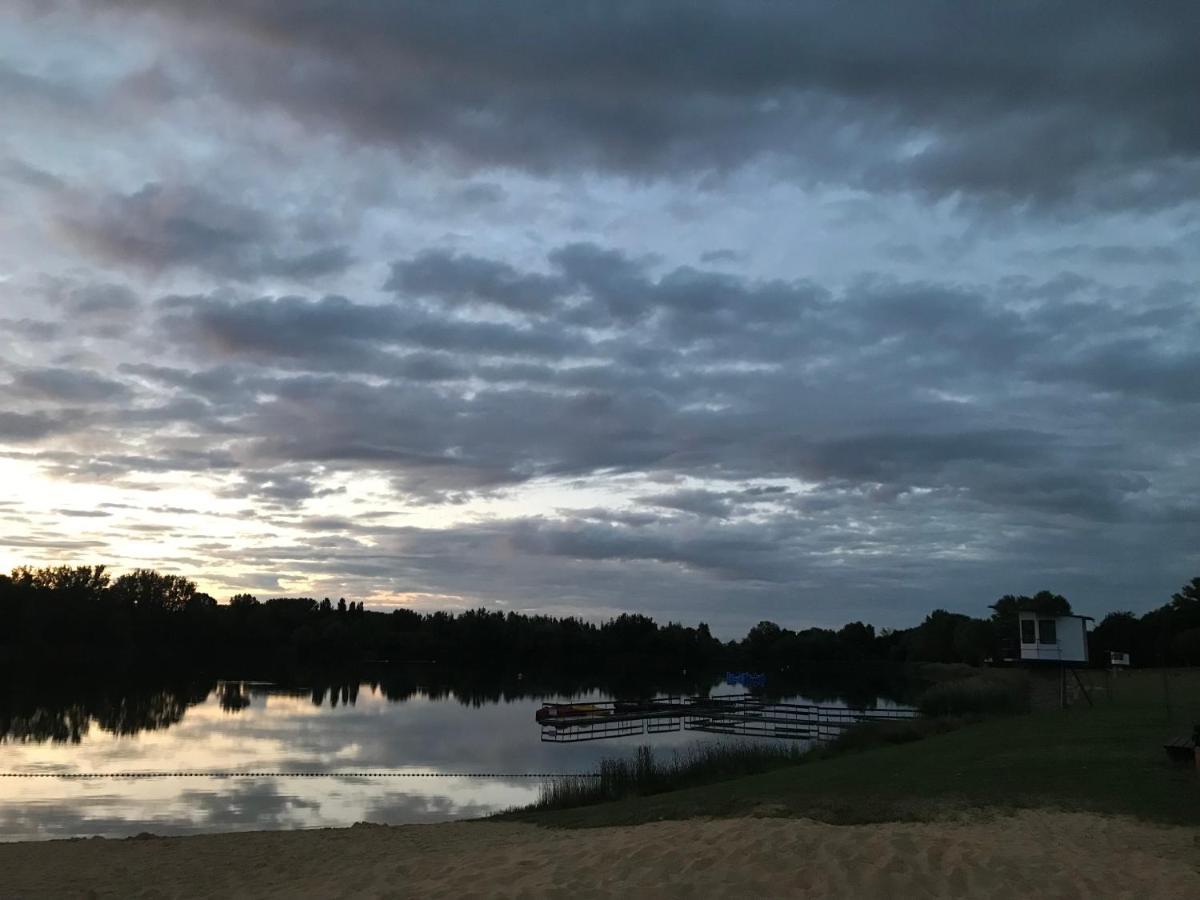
(648, 772)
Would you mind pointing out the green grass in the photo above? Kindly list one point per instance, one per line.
(1105, 759)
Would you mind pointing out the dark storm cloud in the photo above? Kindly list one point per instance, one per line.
(1043, 102)
(163, 226)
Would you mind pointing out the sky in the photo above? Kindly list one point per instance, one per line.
(809, 312)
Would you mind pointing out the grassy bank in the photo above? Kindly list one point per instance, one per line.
(1106, 759)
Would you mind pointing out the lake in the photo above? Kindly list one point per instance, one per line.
(401, 723)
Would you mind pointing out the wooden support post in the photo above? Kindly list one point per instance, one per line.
(1079, 681)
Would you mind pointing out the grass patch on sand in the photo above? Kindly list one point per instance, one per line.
(1106, 759)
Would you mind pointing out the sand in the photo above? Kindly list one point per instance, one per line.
(1031, 854)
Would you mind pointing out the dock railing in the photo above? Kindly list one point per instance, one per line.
(735, 714)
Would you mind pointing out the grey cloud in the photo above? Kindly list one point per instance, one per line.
(67, 385)
(716, 504)
(276, 487)
(220, 386)
(933, 437)
(337, 330)
(114, 467)
(886, 457)
(699, 502)
(1119, 254)
(25, 89)
(22, 172)
(32, 329)
(941, 98)
(1134, 366)
(52, 542)
(162, 226)
(462, 279)
(98, 300)
(720, 256)
(734, 553)
(21, 427)
(482, 194)
(700, 373)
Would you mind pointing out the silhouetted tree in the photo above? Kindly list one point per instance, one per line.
(78, 614)
(973, 641)
(147, 589)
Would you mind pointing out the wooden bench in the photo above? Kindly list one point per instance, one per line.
(1182, 750)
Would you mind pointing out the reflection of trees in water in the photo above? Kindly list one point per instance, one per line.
(64, 713)
(859, 686)
(233, 696)
(344, 692)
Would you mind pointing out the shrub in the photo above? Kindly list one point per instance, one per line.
(980, 695)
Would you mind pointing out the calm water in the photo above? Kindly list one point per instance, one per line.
(256, 726)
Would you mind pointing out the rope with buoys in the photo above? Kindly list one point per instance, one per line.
(256, 774)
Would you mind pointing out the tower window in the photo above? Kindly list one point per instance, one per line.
(1047, 633)
(1027, 632)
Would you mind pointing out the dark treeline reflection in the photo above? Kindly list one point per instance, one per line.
(65, 711)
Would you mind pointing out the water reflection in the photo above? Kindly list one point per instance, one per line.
(66, 713)
(396, 720)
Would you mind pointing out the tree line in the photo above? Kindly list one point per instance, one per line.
(80, 615)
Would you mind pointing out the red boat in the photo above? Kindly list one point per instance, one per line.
(570, 710)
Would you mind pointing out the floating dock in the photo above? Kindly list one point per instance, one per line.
(734, 714)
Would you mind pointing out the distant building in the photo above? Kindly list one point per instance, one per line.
(1053, 639)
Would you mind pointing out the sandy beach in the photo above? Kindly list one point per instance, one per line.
(1031, 854)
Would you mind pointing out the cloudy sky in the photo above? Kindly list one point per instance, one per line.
(721, 311)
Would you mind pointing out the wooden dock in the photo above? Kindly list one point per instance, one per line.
(734, 714)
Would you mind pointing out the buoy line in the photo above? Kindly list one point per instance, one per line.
(365, 774)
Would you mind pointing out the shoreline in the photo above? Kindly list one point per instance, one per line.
(1028, 853)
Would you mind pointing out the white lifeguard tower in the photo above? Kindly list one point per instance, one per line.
(1052, 639)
